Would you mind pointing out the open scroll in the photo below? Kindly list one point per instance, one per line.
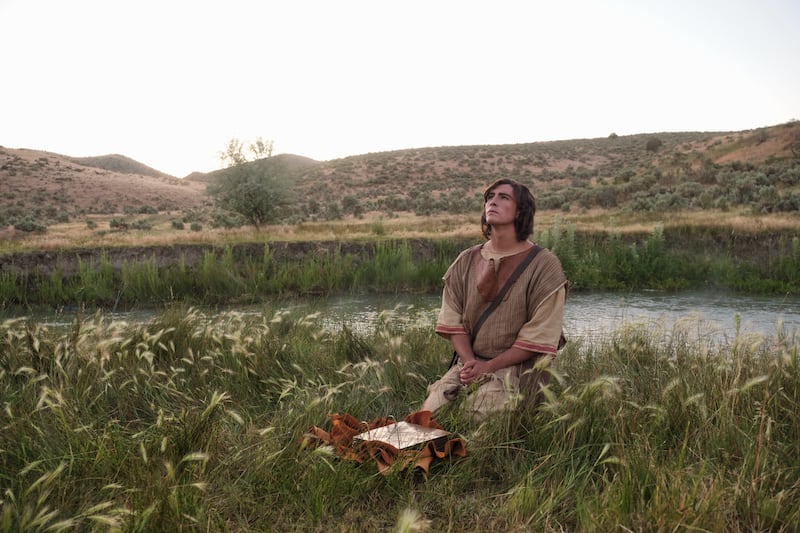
(402, 435)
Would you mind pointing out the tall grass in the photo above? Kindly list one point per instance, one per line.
(609, 262)
(593, 261)
(95, 282)
(194, 421)
(682, 260)
(775, 274)
(12, 287)
(223, 277)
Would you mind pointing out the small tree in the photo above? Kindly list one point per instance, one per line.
(234, 155)
(253, 189)
(261, 148)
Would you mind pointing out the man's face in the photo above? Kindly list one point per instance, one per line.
(501, 206)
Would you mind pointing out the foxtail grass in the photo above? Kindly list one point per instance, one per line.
(195, 421)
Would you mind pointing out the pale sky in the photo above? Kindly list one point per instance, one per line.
(168, 83)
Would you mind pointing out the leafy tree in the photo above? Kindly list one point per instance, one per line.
(261, 148)
(234, 155)
(255, 190)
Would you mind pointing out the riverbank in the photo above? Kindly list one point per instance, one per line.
(678, 257)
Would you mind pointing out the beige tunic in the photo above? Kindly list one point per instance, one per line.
(531, 314)
(530, 317)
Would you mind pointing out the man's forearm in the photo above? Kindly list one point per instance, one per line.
(510, 357)
(463, 347)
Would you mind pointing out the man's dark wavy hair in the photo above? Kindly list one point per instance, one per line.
(526, 208)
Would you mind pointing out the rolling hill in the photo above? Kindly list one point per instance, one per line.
(121, 164)
(614, 172)
(55, 186)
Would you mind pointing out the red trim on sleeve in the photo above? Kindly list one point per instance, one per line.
(538, 348)
(450, 330)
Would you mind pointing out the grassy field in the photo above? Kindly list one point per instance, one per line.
(194, 422)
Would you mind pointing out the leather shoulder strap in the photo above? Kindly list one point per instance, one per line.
(500, 295)
(502, 292)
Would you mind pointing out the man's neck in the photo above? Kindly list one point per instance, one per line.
(506, 241)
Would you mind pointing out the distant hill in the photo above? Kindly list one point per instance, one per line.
(119, 163)
(289, 163)
(654, 171)
(53, 187)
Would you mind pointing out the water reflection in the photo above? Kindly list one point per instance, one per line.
(588, 316)
(719, 315)
(591, 316)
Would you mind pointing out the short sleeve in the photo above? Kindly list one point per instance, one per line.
(543, 331)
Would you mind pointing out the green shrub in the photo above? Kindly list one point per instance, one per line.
(29, 225)
(227, 219)
(141, 224)
(118, 224)
(653, 144)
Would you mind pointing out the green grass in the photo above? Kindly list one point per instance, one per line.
(682, 258)
(194, 422)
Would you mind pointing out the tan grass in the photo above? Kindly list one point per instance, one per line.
(404, 226)
(736, 220)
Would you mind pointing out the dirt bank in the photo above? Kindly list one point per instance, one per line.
(67, 262)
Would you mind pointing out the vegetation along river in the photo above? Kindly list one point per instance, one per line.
(589, 316)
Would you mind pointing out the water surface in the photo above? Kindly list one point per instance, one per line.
(587, 315)
(593, 315)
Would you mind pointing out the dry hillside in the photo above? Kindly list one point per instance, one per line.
(562, 173)
(465, 170)
(609, 172)
(32, 181)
